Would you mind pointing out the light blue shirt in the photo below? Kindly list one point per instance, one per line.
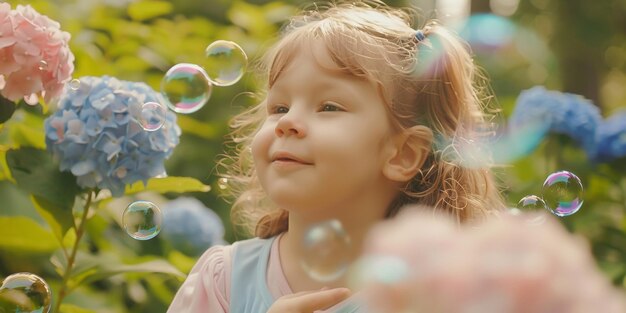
(248, 290)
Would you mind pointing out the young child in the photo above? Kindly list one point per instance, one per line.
(358, 103)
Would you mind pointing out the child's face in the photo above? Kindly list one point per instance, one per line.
(325, 139)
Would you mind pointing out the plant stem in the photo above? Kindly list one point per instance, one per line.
(80, 229)
(622, 184)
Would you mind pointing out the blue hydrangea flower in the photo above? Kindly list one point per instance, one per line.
(96, 134)
(559, 112)
(190, 226)
(610, 139)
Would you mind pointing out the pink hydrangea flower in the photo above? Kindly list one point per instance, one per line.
(502, 265)
(35, 58)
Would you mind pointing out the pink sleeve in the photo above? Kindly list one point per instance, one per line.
(207, 287)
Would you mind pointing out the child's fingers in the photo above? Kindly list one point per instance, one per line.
(319, 300)
(309, 301)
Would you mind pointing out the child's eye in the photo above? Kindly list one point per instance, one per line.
(330, 107)
(279, 109)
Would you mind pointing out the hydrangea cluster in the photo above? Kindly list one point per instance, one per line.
(96, 134)
(35, 58)
(559, 112)
(611, 139)
(190, 226)
(503, 265)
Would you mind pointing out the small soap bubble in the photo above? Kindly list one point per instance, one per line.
(326, 248)
(532, 204)
(226, 62)
(152, 116)
(186, 87)
(563, 193)
(222, 183)
(24, 292)
(43, 65)
(142, 220)
(74, 84)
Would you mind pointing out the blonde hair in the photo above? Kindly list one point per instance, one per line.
(432, 83)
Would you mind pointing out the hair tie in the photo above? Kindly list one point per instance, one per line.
(419, 35)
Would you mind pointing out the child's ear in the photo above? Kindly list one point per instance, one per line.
(411, 148)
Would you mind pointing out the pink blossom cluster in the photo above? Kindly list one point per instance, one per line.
(501, 265)
(35, 59)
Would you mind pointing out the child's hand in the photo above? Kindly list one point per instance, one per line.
(309, 301)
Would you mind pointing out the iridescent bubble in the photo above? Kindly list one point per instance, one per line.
(24, 292)
(488, 32)
(495, 145)
(326, 247)
(74, 84)
(226, 62)
(152, 116)
(429, 57)
(519, 141)
(142, 220)
(532, 204)
(186, 87)
(563, 193)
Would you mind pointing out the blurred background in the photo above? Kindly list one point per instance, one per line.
(574, 46)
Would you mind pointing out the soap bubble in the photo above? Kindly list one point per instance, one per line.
(24, 293)
(326, 249)
(563, 193)
(142, 220)
(186, 87)
(227, 62)
(152, 116)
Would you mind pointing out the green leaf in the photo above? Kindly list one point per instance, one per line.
(70, 308)
(143, 10)
(35, 172)
(158, 287)
(90, 268)
(60, 219)
(19, 233)
(4, 168)
(249, 17)
(169, 184)
(201, 129)
(7, 108)
(181, 261)
(83, 263)
(26, 136)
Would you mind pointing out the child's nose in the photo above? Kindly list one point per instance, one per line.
(290, 125)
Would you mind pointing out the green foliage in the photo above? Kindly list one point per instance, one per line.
(25, 235)
(35, 172)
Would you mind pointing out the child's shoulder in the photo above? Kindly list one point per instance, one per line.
(219, 257)
(252, 243)
(216, 259)
(250, 249)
